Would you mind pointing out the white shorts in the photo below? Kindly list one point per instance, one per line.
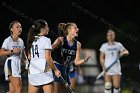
(12, 67)
(40, 78)
(114, 70)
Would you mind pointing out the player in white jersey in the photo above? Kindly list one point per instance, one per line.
(41, 63)
(13, 47)
(109, 52)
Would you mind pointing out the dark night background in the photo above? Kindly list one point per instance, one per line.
(123, 14)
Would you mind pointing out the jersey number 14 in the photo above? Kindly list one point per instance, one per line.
(35, 51)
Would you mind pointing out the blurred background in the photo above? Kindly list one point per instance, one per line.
(93, 18)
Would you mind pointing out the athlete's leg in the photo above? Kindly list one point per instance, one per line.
(11, 88)
(60, 88)
(73, 83)
(16, 83)
(116, 83)
(108, 83)
(48, 88)
(32, 89)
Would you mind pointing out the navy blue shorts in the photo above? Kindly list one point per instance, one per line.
(73, 74)
(64, 72)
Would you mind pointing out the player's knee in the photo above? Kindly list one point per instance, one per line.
(108, 85)
(117, 86)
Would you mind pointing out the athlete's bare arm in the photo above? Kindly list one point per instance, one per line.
(57, 43)
(78, 60)
(102, 58)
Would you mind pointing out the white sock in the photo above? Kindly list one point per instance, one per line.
(116, 90)
(107, 91)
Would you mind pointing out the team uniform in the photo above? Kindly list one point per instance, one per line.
(111, 54)
(73, 71)
(13, 62)
(37, 69)
(66, 55)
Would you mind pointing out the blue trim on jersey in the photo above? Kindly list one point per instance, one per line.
(9, 67)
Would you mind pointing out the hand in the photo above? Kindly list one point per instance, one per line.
(57, 73)
(16, 50)
(123, 53)
(60, 39)
(104, 68)
(26, 64)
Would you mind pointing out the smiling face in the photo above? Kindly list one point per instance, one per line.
(16, 28)
(73, 30)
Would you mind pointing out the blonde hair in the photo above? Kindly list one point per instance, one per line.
(64, 27)
(11, 25)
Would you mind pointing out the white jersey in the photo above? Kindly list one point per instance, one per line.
(38, 54)
(9, 44)
(13, 62)
(111, 54)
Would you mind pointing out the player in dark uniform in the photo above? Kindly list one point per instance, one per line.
(67, 53)
(73, 75)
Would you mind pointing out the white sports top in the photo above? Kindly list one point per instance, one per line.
(38, 53)
(9, 44)
(111, 52)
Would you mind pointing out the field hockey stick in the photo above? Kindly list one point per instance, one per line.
(104, 71)
(67, 85)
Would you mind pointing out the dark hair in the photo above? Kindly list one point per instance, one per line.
(11, 25)
(111, 30)
(64, 27)
(34, 31)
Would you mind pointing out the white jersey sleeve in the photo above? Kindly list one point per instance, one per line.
(121, 46)
(5, 44)
(102, 49)
(23, 46)
(47, 44)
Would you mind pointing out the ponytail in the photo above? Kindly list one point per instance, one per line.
(34, 31)
(30, 37)
(63, 27)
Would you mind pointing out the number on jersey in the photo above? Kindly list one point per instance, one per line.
(35, 51)
(67, 62)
